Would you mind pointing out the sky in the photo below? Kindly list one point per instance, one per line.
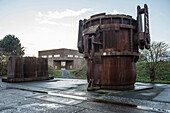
(52, 24)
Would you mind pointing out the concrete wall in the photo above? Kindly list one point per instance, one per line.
(73, 58)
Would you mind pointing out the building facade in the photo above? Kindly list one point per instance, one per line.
(63, 58)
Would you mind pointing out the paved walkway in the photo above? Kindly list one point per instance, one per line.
(71, 96)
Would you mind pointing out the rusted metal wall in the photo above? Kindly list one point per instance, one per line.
(110, 46)
(26, 69)
(42, 67)
(30, 67)
(15, 67)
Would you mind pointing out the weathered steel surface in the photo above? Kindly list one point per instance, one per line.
(110, 46)
(15, 67)
(30, 67)
(42, 67)
(26, 69)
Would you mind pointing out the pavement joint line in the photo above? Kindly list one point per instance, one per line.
(94, 100)
(158, 93)
(109, 102)
(36, 91)
(161, 101)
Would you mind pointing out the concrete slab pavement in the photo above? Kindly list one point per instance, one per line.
(70, 95)
(163, 96)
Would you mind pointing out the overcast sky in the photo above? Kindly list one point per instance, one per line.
(52, 24)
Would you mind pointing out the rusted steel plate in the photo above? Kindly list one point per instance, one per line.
(42, 67)
(15, 67)
(22, 69)
(30, 67)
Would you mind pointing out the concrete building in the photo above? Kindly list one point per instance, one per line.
(63, 58)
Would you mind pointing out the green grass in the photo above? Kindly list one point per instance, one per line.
(53, 72)
(162, 73)
(79, 73)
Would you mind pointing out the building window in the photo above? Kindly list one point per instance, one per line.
(44, 56)
(81, 56)
(70, 56)
(63, 63)
(56, 67)
(58, 55)
(49, 56)
(76, 56)
(71, 67)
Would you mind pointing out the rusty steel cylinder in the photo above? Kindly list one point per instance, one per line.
(110, 46)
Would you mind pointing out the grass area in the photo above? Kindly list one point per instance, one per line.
(79, 73)
(53, 72)
(162, 73)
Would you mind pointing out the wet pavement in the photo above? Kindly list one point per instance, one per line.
(71, 96)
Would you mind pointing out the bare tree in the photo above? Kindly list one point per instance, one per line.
(157, 53)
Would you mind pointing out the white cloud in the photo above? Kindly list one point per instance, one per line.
(44, 29)
(66, 25)
(51, 17)
(115, 11)
(53, 23)
(67, 13)
(46, 22)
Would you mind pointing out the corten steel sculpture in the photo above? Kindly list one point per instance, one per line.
(110, 46)
(22, 69)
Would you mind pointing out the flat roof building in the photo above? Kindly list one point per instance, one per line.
(63, 58)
